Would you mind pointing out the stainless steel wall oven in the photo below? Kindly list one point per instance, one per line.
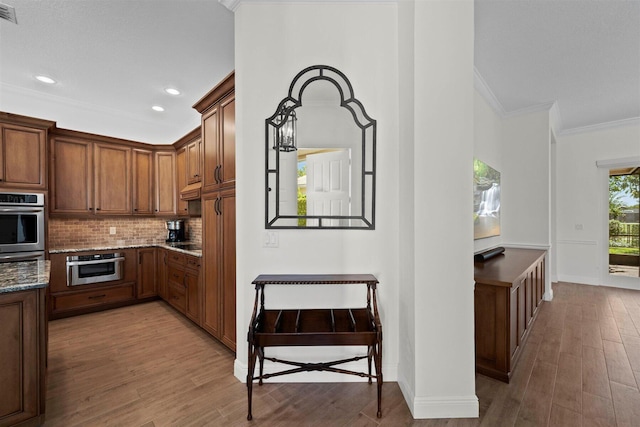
(21, 226)
(88, 269)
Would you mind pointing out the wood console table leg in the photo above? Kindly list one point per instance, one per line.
(378, 361)
(261, 360)
(369, 357)
(252, 366)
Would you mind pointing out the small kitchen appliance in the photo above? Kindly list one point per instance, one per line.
(175, 230)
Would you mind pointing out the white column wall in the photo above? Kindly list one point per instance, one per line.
(443, 176)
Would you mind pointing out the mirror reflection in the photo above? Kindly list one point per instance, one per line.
(320, 156)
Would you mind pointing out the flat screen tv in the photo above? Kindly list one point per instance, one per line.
(486, 200)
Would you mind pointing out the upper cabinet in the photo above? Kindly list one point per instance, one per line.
(71, 176)
(94, 175)
(142, 182)
(218, 136)
(165, 190)
(23, 152)
(193, 151)
(112, 179)
(181, 179)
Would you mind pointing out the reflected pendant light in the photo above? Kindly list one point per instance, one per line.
(285, 138)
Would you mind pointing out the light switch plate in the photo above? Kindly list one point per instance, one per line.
(270, 239)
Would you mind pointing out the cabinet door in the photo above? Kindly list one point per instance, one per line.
(161, 264)
(146, 283)
(181, 179)
(71, 176)
(227, 149)
(142, 182)
(210, 140)
(227, 208)
(23, 157)
(211, 316)
(19, 355)
(193, 161)
(112, 179)
(192, 281)
(165, 187)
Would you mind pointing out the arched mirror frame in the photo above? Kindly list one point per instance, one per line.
(286, 108)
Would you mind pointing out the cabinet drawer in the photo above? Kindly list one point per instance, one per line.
(176, 257)
(177, 297)
(92, 298)
(193, 263)
(176, 275)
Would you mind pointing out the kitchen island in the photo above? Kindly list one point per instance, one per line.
(23, 342)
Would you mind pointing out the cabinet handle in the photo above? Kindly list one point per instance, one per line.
(97, 296)
(97, 209)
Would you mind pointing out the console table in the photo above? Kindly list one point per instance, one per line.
(508, 292)
(315, 327)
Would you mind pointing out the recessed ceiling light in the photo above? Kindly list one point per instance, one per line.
(45, 79)
(157, 108)
(172, 91)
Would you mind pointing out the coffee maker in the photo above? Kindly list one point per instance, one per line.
(175, 230)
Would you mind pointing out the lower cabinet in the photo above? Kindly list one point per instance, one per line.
(23, 353)
(508, 294)
(219, 259)
(184, 287)
(66, 300)
(146, 284)
(161, 273)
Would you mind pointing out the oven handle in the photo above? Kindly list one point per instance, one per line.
(22, 210)
(19, 258)
(96, 261)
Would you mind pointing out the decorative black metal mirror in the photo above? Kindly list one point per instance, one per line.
(320, 156)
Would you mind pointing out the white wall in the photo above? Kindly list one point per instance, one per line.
(274, 41)
(389, 51)
(580, 198)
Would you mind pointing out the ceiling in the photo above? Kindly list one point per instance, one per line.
(112, 60)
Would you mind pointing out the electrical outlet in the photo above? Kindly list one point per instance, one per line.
(112, 230)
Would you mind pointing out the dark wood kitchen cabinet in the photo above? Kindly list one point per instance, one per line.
(161, 275)
(142, 182)
(184, 287)
(193, 150)
(71, 180)
(219, 260)
(23, 152)
(218, 135)
(23, 352)
(181, 179)
(147, 268)
(67, 300)
(112, 179)
(165, 184)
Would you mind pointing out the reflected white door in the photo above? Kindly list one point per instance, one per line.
(288, 186)
(328, 186)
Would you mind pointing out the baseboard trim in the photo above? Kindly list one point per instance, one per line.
(578, 279)
(439, 407)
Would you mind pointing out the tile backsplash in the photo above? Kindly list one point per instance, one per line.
(82, 232)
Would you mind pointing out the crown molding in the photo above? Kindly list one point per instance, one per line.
(232, 5)
(483, 89)
(601, 126)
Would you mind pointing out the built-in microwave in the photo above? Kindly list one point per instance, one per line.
(97, 268)
(21, 223)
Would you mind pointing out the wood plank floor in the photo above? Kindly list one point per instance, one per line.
(146, 365)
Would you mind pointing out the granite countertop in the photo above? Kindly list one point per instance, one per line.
(24, 276)
(189, 248)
